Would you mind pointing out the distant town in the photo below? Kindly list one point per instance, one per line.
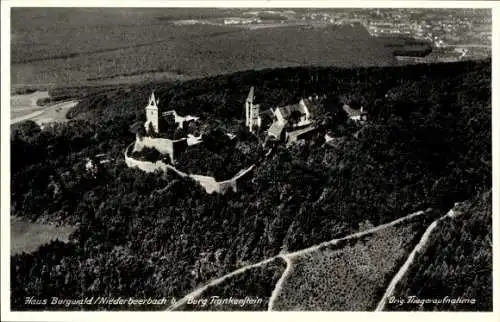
(454, 34)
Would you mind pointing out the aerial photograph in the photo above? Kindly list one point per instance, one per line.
(250, 159)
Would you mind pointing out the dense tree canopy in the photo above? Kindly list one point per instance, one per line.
(427, 144)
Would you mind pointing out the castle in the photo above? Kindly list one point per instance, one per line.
(290, 123)
(152, 114)
(171, 147)
(252, 112)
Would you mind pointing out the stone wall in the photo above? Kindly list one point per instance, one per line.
(181, 119)
(143, 165)
(164, 146)
(208, 183)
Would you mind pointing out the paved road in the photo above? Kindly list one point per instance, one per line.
(54, 113)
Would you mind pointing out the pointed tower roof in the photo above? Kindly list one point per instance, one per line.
(250, 95)
(153, 101)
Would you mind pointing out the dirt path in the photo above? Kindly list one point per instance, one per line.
(219, 280)
(402, 271)
(287, 257)
(279, 284)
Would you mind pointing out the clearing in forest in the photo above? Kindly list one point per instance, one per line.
(26, 236)
(349, 276)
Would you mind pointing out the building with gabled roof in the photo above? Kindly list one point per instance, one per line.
(355, 114)
(276, 130)
(289, 118)
(284, 113)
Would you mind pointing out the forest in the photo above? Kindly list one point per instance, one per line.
(350, 276)
(427, 144)
(219, 156)
(458, 263)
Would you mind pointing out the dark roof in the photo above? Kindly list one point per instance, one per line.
(267, 113)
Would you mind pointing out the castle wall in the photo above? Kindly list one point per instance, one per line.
(181, 119)
(208, 183)
(164, 146)
(143, 165)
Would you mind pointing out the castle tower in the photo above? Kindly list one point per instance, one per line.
(152, 113)
(252, 118)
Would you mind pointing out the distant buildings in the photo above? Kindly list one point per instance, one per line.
(241, 21)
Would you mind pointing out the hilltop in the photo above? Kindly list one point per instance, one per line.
(427, 145)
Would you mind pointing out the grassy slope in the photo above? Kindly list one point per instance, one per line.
(352, 278)
(61, 46)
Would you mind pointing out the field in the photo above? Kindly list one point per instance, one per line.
(352, 278)
(25, 106)
(28, 236)
(29, 107)
(54, 47)
(256, 283)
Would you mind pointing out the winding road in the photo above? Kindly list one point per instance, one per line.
(288, 257)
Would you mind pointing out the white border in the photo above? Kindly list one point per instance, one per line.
(6, 315)
(252, 3)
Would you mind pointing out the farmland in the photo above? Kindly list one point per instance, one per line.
(39, 107)
(351, 278)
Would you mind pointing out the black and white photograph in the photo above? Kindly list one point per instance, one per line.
(281, 157)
